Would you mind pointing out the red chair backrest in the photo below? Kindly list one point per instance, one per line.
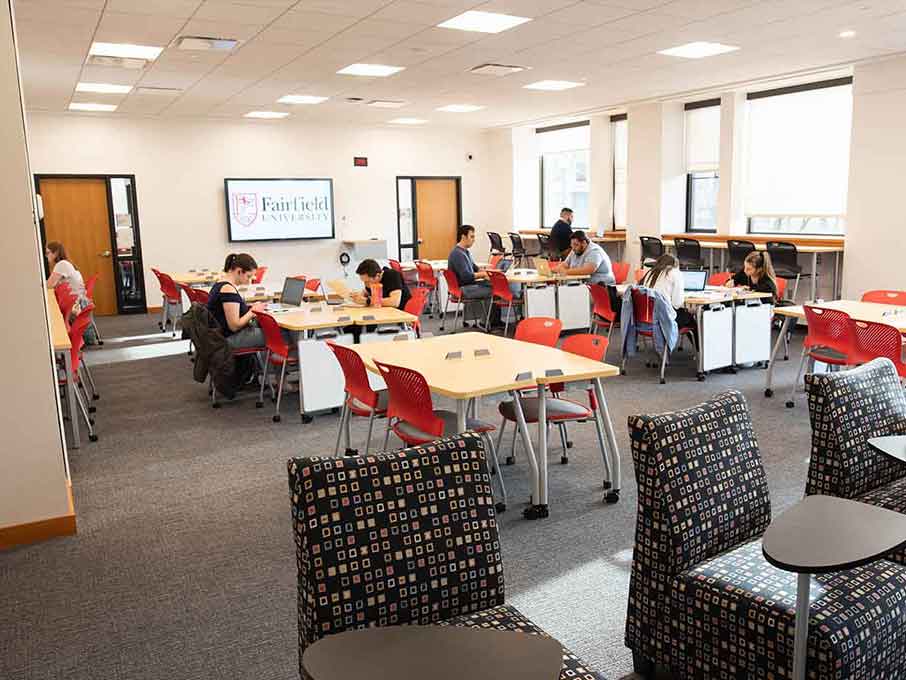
(452, 284)
(541, 330)
(194, 294)
(357, 385)
(587, 345)
(621, 271)
(781, 287)
(494, 261)
(409, 398)
(66, 300)
(639, 275)
(829, 328)
(886, 297)
(77, 335)
(259, 275)
(417, 302)
(89, 285)
(168, 288)
(500, 287)
(273, 338)
(426, 275)
(600, 299)
(642, 307)
(720, 278)
(875, 340)
(396, 266)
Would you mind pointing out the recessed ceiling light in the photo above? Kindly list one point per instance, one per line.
(483, 22)
(266, 114)
(460, 108)
(372, 70)
(408, 121)
(125, 50)
(697, 50)
(386, 104)
(91, 106)
(203, 44)
(847, 34)
(553, 85)
(103, 88)
(301, 99)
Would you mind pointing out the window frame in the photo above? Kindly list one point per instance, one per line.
(690, 229)
(616, 118)
(555, 128)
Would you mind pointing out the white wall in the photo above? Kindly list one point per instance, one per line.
(32, 478)
(600, 197)
(179, 167)
(876, 220)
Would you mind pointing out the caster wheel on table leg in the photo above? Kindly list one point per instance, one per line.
(569, 444)
(790, 404)
(335, 410)
(769, 393)
(564, 460)
(259, 404)
(92, 437)
(663, 381)
(95, 397)
(276, 418)
(700, 377)
(306, 419)
(536, 512)
(606, 485)
(216, 404)
(612, 497)
(510, 460)
(500, 507)
(92, 409)
(351, 452)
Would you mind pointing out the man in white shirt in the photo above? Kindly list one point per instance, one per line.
(587, 258)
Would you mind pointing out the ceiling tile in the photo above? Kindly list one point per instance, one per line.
(238, 13)
(173, 8)
(138, 28)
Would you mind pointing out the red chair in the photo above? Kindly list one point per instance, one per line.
(396, 266)
(643, 314)
(602, 313)
(494, 261)
(77, 340)
(621, 272)
(719, 278)
(279, 353)
(540, 330)
(885, 297)
(172, 301)
(781, 288)
(455, 295)
(259, 275)
(416, 306)
(873, 340)
(361, 398)
(427, 279)
(66, 300)
(831, 340)
(411, 416)
(194, 295)
(502, 297)
(89, 292)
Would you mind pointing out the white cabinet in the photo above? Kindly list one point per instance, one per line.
(574, 306)
(752, 332)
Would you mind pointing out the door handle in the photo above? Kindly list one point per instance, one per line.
(106, 253)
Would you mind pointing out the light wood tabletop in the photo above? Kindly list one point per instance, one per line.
(508, 365)
(528, 276)
(722, 245)
(254, 293)
(321, 315)
(58, 335)
(195, 278)
(892, 315)
(619, 237)
(711, 294)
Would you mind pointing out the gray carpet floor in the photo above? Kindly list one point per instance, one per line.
(184, 564)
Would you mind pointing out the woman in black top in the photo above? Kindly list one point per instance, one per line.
(757, 275)
(236, 318)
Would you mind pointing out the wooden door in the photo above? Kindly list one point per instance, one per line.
(76, 215)
(436, 217)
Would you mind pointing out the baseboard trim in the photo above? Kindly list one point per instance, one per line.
(154, 310)
(43, 530)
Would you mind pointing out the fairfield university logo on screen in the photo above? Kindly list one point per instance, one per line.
(245, 208)
(279, 208)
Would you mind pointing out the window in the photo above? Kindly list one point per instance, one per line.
(619, 126)
(702, 130)
(564, 172)
(798, 158)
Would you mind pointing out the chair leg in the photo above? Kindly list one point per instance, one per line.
(796, 287)
(84, 411)
(511, 459)
(564, 459)
(280, 392)
(94, 392)
(343, 415)
(500, 433)
(506, 324)
(267, 363)
(790, 403)
(370, 430)
(443, 317)
(386, 436)
(664, 363)
(97, 333)
(487, 318)
(500, 506)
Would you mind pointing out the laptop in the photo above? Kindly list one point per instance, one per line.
(293, 292)
(504, 264)
(544, 267)
(694, 281)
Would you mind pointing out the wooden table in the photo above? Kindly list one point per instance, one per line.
(822, 535)
(316, 316)
(59, 340)
(253, 293)
(892, 315)
(610, 236)
(511, 366)
(196, 278)
(435, 652)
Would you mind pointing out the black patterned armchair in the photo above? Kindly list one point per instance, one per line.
(703, 602)
(408, 537)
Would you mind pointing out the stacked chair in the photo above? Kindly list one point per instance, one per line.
(703, 601)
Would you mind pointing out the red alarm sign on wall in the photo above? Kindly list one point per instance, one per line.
(360, 161)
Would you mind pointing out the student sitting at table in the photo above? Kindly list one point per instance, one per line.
(666, 278)
(236, 318)
(473, 282)
(394, 291)
(757, 275)
(588, 258)
(64, 271)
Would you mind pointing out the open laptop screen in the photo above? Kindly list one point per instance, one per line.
(694, 280)
(293, 290)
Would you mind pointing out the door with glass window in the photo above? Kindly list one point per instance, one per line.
(429, 211)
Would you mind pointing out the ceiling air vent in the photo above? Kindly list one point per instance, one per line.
(200, 43)
(496, 70)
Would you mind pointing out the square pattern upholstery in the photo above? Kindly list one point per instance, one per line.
(701, 491)
(848, 408)
(408, 537)
(734, 617)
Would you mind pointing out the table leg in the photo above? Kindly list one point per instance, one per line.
(784, 329)
(722, 260)
(522, 428)
(461, 406)
(613, 495)
(71, 399)
(699, 318)
(836, 294)
(800, 644)
(539, 509)
(711, 259)
(814, 277)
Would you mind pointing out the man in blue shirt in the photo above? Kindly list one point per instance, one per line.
(473, 281)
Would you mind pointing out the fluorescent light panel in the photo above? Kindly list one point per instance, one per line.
(387, 104)
(301, 99)
(91, 106)
(847, 34)
(125, 50)
(483, 22)
(266, 114)
(698, 50)
(460, 108)
(553, 85)
(370, 70)
(408, 121)
(103, 88)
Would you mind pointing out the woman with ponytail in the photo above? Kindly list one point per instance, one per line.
(757, 275)
(236, 318)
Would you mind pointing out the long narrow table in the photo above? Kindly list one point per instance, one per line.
(509, 366)
(876, 312)
(610, 236)
(59, 338)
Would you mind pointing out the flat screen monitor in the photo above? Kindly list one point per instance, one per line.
(293, 291)
(694, 280)
(279, 209)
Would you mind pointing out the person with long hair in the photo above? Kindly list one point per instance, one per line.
(666, 278)
(225, 303)
(757, 275)
(63, 271)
